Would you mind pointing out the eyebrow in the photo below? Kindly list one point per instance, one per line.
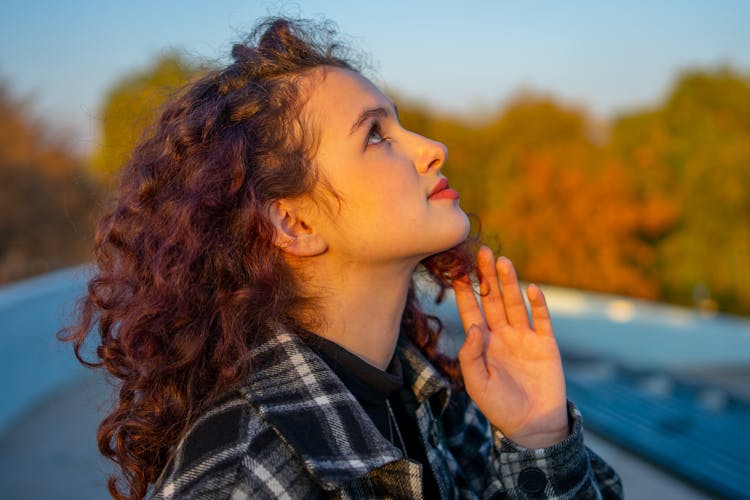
(379, 112)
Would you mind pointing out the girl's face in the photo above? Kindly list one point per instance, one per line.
(393, 204)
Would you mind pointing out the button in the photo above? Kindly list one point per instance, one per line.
(532, 480)
(435, 433)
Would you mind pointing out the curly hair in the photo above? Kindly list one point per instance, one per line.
(188, 276)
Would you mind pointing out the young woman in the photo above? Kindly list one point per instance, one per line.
(255, 299)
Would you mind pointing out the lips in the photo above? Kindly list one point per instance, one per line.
(442, 190)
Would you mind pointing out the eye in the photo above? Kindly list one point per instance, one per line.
(375, 135)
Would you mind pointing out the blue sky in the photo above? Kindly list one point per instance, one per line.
(463, 56)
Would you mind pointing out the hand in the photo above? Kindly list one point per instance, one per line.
(511, 370)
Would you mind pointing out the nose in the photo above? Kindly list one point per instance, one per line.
(431, 155)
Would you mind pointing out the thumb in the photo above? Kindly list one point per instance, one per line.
(471, 356)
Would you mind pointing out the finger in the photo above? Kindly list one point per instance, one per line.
(471, 357)
(539, 310)
(515, 307)
(466, 301)
(492, 296)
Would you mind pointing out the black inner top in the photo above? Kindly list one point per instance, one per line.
(372, 387)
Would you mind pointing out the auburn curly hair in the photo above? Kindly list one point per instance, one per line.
(188, 276)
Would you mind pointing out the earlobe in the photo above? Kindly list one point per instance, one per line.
(294, 234)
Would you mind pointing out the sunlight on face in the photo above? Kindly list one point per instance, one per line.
(395, 206)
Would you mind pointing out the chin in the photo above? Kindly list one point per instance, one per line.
(456, 233)
(463, 226)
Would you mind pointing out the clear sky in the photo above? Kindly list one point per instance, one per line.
(462, 56)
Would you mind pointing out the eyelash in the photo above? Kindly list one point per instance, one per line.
(375, 129)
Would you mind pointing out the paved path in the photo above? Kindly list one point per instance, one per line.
(51, 452)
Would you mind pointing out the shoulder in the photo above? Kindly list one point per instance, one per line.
(232, 452)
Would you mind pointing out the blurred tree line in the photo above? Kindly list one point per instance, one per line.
(654, 203)
(47, 196)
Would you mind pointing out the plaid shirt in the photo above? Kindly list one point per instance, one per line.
(295, 431)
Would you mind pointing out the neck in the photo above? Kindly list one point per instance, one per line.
(360, 308)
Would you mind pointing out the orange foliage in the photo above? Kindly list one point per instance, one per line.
(566, 210)
(46, 199)
(570, 220)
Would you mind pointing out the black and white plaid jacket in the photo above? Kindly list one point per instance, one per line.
(295, 431)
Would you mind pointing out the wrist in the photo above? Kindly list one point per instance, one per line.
(537, 440)
(542, 433)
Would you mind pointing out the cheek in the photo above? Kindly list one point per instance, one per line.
(377, 187)
(394, 198)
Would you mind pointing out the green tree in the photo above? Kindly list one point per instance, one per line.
(133, 103)
(695, 149)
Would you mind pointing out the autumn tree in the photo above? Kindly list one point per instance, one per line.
(567, 211)
(695, 149)
(46, 198)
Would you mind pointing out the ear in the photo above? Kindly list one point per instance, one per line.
(295, 233)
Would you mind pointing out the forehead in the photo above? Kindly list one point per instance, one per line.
(338, 96)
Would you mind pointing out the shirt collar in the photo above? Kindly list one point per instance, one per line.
(293, 388)
(365, 381)
(425, 381)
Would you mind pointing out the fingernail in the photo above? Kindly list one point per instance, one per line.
(504, 264)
